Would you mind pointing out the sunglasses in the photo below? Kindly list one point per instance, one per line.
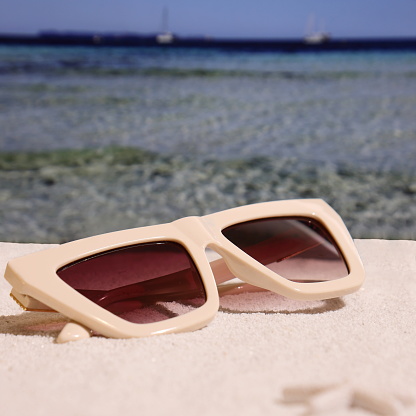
(158, 279)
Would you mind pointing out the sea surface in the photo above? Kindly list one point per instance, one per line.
(95, 139)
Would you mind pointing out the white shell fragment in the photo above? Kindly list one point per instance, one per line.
(380, 403)
(330, 400)
(324, 399)
(297, 394)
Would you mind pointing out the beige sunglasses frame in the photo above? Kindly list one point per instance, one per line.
(36, 284)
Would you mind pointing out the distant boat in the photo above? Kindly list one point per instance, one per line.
(165, 36)
(315, 36)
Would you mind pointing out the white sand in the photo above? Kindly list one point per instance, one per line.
(258, 345)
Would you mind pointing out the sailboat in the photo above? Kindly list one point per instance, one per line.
(315, 36)
(165, 36)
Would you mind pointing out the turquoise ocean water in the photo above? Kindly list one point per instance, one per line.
(98, 139)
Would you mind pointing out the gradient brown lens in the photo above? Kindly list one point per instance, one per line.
(297, 248)
(143, 283)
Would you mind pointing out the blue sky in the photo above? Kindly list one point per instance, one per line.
(217, 18)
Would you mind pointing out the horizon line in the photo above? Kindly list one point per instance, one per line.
(117, 33)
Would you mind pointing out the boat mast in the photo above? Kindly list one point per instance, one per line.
(165, 36)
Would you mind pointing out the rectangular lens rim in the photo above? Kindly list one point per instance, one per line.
(142, 286)
(259, 254)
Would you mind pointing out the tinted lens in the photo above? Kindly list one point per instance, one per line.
(143, 283)
(299, 249)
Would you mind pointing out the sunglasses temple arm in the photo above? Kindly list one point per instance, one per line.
(268, 252)
(271, 251)
(221, 271)
(166, 286)
(226, 281)
(72, 331)
(28, 303)
(175, 286)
